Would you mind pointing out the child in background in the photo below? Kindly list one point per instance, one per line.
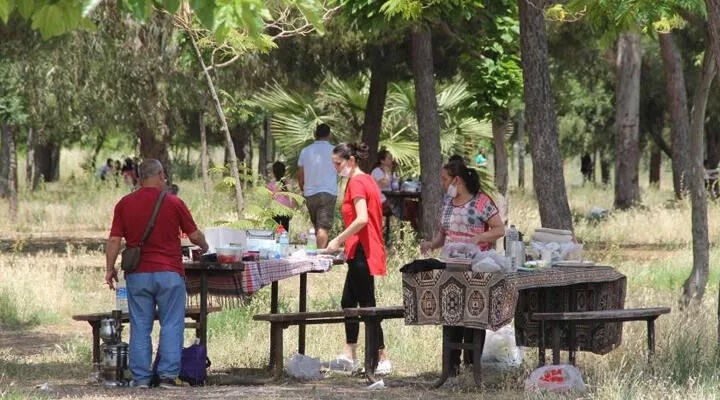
(278, 184)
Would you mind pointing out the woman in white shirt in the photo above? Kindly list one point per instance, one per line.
(383, 176)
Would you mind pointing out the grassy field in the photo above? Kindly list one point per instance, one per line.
(51, 266)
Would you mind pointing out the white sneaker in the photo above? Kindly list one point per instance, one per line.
(384, 368)
(342, 363)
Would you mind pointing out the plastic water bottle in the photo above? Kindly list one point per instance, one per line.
(284, 244)
(512, 237)
(311, 244)
(121, 296)
(394, 183)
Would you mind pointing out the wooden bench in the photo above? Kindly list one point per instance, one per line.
(94, 321)
(557, 318)
(371, 317)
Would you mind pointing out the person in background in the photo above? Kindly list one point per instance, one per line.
(480, 159)
(129, 173)
(468, 215)
(318, 181)
(364, 248)
(278, 184)
(158, 282)
(106, 169)
(383, 176)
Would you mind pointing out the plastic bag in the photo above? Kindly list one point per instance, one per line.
(302, 367)
(555, 378)
(500, 350)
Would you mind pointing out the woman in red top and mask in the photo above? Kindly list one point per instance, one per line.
(364, 248)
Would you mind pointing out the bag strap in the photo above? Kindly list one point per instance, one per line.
(151, 223)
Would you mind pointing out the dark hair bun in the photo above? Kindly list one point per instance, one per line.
(361, 150)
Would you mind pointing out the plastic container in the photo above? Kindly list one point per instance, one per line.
(229, 254)
(121, 296)
(311, 244)
(284, 244)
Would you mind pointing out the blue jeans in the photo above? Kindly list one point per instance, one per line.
(146, 291)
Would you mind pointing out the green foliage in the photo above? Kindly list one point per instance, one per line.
(341, 104)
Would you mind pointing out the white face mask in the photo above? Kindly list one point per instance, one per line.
(452, 190)
(345, 173)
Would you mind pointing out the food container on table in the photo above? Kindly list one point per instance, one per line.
(228, 254)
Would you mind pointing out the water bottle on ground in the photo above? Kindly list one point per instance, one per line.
(121, 296)
(284, 244)
(311, 245)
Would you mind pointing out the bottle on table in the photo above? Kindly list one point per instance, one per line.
(311, 244)
(511, 249)
(283, 242)
(121, 296)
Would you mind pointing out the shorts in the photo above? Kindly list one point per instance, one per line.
(322, 209)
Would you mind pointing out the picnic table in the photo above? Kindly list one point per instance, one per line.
(239, 280)
(491, 300)
(400, 195)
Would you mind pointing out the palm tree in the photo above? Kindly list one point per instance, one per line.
(341, 104)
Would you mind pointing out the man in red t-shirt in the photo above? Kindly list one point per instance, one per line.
(158, 280)
(364, 248)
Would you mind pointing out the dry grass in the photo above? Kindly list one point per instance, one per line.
(42, 286)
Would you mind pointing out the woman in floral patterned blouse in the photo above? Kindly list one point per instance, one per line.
(468, 215)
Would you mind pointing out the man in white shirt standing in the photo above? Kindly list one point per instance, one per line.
(318, 181)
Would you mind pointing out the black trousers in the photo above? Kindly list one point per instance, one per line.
(359, 290)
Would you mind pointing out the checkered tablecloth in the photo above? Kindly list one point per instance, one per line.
(255, 276)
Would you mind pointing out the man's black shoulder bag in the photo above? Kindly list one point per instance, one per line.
(130, 256)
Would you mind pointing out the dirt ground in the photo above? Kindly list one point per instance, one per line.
(225, 384)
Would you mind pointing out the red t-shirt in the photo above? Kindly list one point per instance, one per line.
(161, 250)
(370, 236)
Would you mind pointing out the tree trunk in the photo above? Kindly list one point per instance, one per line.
(265, 154)
(679, 118)
(99, 141)
(521, 149)
(154, 145)
(47, 163)
(694, 286)
(655, 165)
(627, 153)
(12, 176)
(5, 133)
(713, 10)
(30, 159)
(499, 130)
(712, 140)
(604, 170)
(234, 169)
(204, 153)
(428, 128)
(548, 179)
(372, 123)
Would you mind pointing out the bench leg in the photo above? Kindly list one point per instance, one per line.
(372, 344)
(302, 307)
(572, 344)
(651, 338)
(273, 310)
(541, 344)
(445, 358)
(478, 344)
(555, 343)
(276, 343)
(95, 325)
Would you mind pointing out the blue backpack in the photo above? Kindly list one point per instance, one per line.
(194, 363)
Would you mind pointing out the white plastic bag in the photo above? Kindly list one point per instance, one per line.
(500, 350)
(555, 378)
(303, 367)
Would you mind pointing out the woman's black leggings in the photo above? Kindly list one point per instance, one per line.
(359, 290)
